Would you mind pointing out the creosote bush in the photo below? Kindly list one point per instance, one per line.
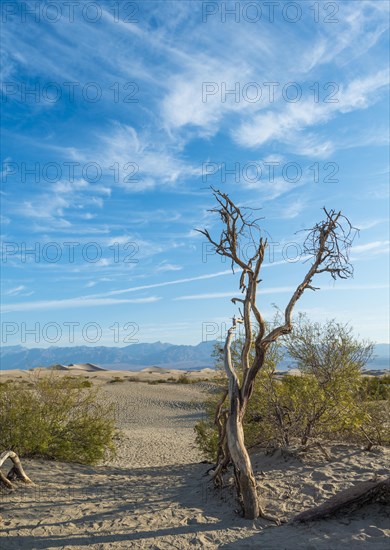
(116, 380)
(56, 417)
(183, 379)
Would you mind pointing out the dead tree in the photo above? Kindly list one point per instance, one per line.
(326, 247)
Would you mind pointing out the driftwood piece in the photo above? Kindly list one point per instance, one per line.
(366, 492)
(16, 471)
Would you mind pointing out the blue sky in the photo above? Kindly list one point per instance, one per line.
(132, 120)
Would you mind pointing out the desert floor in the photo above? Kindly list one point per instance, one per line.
(156, 494)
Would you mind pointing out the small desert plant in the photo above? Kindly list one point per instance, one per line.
(183, 379)
(116, 380)
(375, 427)
(86, 384)
(207, 439)
(57, 418)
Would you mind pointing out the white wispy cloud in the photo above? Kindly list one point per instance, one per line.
(60, 204)
(214, 295)
(293, 209)
(14, 291)
(368, 249)
(170, 283)
(143, 161)
(286, 123)
(379, 286)
(74, 303)
(280, 290)
(368, 224)
(278, 187)
(104, 298)
(165, 266)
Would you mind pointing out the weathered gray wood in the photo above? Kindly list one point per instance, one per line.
(366, 492)
(15, 472)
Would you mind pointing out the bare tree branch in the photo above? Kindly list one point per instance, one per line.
(328, 243)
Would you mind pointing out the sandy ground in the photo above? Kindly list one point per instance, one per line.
(156, 494)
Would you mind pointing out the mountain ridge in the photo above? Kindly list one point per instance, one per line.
(133, 356)
(136, 356)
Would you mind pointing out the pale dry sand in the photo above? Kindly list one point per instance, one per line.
(157, 495)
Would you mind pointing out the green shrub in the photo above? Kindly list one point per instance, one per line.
(375, 427)
(183, 379)
(327, 399)
(375, 388)
(116, 380)
(86, 384)
(57, 418)
(207, 439)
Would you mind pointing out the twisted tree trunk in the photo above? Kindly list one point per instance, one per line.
(231, 438)
(242, 466)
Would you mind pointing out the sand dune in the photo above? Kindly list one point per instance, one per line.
(156, 370)
(85, 367)
(88, 367)
(156, 494)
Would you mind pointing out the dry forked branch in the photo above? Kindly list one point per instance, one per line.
(241, 227)
(327, 247)
(15, 472)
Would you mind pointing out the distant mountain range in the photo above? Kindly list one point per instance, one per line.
(137, 356)
(134, 356)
